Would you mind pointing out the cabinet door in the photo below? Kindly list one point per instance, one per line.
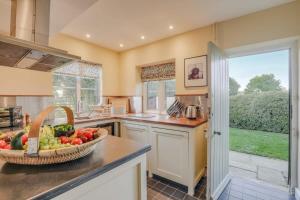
(135, 132)
(138, 133)
(170, 159)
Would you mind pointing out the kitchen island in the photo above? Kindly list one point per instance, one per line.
(115, 170)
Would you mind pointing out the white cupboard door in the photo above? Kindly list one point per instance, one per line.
(170, 149)
(218, 135)
(138, 133)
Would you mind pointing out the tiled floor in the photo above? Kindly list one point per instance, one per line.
(161, 189)
(237, 189)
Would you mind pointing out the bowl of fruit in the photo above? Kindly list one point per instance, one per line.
(39, 145)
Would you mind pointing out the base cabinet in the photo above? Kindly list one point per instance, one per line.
(170, 150)
(126, 182)
(177, 154)
(135, 132)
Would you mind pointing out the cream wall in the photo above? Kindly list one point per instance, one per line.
(271, 24)
(14, 81)
(193, 43)
(93, 53)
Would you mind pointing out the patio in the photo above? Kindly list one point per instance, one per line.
(261, 169)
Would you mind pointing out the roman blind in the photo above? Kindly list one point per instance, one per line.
(165, 71)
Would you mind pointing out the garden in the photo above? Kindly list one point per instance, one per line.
(259, 118)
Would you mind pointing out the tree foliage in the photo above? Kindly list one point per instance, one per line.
(233, 87)
(265, 111)
(263, 83)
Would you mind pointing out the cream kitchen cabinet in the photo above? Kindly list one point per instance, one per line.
(170, 154)
(178, 153)
(136, 132)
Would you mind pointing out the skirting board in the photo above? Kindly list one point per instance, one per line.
(297, 193)
(221, 187)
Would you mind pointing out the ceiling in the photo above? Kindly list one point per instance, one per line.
(114, 22)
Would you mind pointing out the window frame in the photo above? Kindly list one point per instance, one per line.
(161, 98)
(78, 86)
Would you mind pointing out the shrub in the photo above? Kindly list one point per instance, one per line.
(265, 111)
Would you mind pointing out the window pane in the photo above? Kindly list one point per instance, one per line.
(64, 81)
(88, 83)
(152, 95)
(170, 88)
(77, 81)
(65, 97)
(88, 98)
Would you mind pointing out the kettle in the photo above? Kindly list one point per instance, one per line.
(192, 112)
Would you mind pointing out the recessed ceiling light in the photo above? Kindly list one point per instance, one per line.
(87, 35)
(142, 37)
(171, 27)
(121, 45)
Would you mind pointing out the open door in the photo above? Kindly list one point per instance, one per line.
(218, 131)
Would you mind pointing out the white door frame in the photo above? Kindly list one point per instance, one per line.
(292, 45)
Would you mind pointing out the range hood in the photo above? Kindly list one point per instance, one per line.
(27, 46)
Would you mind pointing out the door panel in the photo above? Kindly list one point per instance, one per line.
(135, 132)
(218, 135)
(171, 150)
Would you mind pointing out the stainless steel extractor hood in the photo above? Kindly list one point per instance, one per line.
(27, 46)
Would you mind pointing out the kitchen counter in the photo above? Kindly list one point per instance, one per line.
(48, 181)
(153, 118)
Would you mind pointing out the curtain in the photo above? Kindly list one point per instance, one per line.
(157, 72)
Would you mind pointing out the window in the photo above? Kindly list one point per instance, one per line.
(159, 95)
(77, 83)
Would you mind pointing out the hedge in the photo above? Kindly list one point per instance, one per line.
(266, 111)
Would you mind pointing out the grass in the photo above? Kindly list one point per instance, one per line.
(268, 144)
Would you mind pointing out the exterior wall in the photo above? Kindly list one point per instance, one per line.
(93, 53)
(193, 43)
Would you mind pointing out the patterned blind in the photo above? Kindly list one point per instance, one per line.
(83, 69)
(157, 72)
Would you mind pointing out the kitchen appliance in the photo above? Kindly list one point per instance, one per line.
(11, 117)
(110, 127)
(192, 112)
(27, 46)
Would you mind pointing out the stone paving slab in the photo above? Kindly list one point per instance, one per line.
(270, 170)
(271, 175)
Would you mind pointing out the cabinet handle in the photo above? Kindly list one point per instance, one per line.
(217, 133)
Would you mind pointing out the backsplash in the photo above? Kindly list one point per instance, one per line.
(34, 105)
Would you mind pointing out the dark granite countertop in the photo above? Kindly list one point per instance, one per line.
(47, 181)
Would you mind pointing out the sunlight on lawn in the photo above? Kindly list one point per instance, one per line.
(273, 145)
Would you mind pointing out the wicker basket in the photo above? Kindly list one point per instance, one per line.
(51, 156)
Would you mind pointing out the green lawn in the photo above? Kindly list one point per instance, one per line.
(273, 145)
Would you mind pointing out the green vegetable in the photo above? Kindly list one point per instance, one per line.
(63, 130)
(16, 142)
